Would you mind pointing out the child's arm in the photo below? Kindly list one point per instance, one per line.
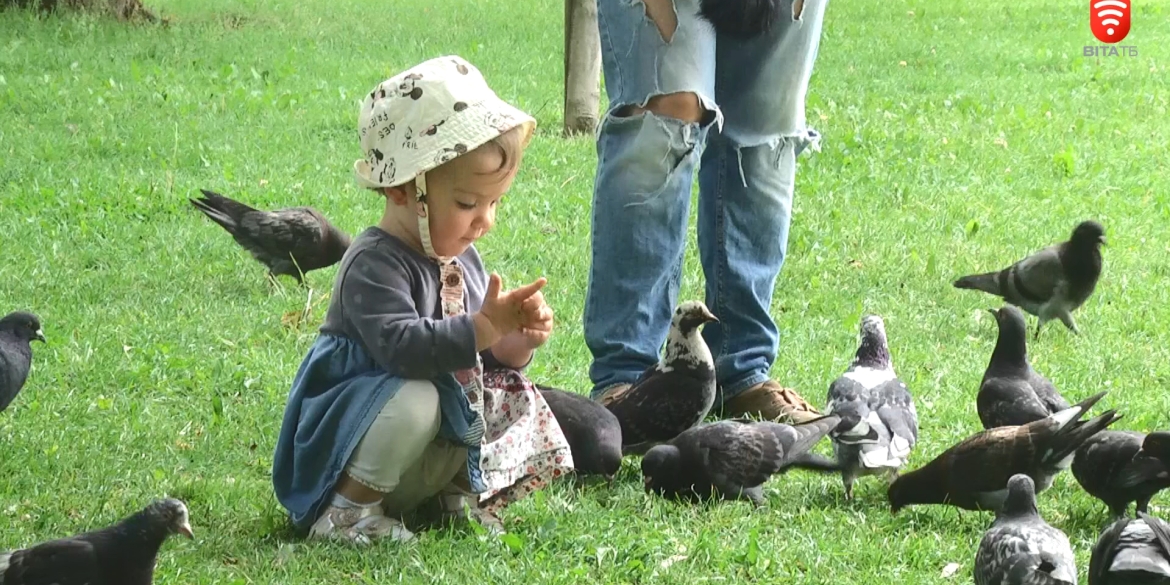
(513, 351)
(379, 309)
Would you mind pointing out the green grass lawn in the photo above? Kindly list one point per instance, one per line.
(958, 137)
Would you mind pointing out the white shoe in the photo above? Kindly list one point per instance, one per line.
(360, 526)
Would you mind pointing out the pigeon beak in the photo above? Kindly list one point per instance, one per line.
(646, 483)
(185, 530)
(994, 312)
(39, 335)
(1102, 240)
(709, 316)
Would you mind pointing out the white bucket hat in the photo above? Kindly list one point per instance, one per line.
(424, 117)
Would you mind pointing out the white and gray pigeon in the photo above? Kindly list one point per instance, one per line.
(676, 393)
(289, 241)
(1051, 283)
(17, 330)
(1132, 552)
(879, 422)
(123, 554)
(732, 459)
(1119, 467)
(1012, 393)
(1020, 548)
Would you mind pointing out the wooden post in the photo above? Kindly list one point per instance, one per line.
(582, 67)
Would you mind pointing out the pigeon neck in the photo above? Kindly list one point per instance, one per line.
(1011, 348)
(1081, 260)
(1019, 503)
(141, 536)
(872, 353)
(688, 348)
(918, 487)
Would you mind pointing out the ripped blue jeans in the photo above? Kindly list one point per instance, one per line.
(753, 93)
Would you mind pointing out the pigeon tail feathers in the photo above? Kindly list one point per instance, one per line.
(1075, 411)
(987, 282)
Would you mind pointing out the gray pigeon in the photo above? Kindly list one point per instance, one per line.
(1051, 283)
(1117, 468)
(593, 432)
(17, 330)
(732, 458)
(879, 421)
(1132, 552)
(1012, 393)
(290, 241)
(1020, 548)
(123, 554)
(973, 474)
(676, 393)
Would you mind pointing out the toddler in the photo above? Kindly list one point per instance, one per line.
(412, 389)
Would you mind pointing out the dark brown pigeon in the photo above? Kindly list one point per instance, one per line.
(1012, 393)
(1051, 283)
(732, 459)
(1114, 467)
(676, 393)
(973, 474)
(593, 432)
(289, 241)
(17, 330)
(123, 554)
(1132, 552)
(1020, 548)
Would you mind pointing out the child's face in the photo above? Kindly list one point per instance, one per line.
(462, 198)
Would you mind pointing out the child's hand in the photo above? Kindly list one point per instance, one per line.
(539, 321)
(504, 313)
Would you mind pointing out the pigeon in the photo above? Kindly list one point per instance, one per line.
(17, 330)
(1132, 552)
(1020, 548)
(878, 416)
(123, 554)
(289, 241)
(1012, 393)
(732, 458)
(973, 474)
(742, 19)
(1051, 283)
(676, 393)
(1114, 467)
(593, 432)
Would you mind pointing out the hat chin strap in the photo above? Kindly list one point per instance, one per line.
(424, 220)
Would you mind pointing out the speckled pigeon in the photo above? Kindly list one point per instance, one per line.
(1020, 548)
(732, 458)
(676, 393)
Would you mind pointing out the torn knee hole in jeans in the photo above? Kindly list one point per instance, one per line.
(683, 106)
(663, 15)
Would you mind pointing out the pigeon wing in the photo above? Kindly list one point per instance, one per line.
(1004, 402)
(895, 409)
(985, 461)
(656, 410)
(60, 562)
(271, 237)
(1105, 550)
(741, 456)
(15, 362)
(1035, 279)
